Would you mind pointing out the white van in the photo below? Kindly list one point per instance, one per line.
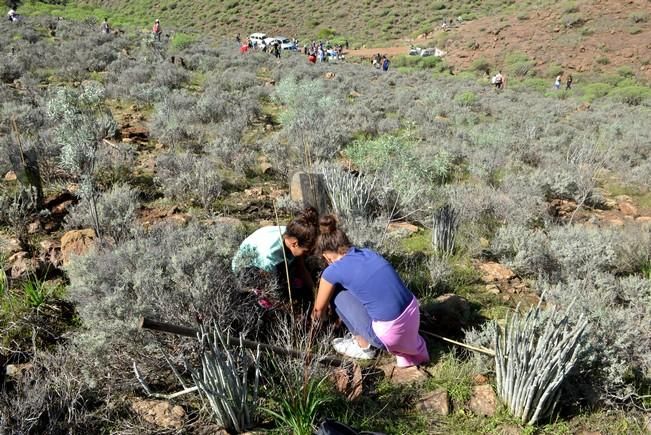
(257, 39)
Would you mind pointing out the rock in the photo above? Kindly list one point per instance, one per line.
(16, 370)
(403, 227)
(643, 219)
(509, 429)
(76, 242)
(8, 246)
(21, 264)
(483, 401)
(63, 207)
(309, 190)
(480, 379)
(160, 413)
(10, 176)
(349, 381)
(34, 227)
(611, 220)
(329, 75)
(493, 289)
(437, 402)
(50, 252)
(493, 271)
(627, 208)
(402, 376)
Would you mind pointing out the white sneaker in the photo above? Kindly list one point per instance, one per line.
(346, 337)
(349, 347)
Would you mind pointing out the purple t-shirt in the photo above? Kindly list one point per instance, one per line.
(368, 276)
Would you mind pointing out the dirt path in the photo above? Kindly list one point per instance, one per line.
(367, 53)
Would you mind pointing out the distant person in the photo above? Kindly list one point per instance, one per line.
(568, 83)
(244, 48)
(238, 39)
(498, 80)
(12, 15)
(156, 30)
(105, 28)
(557, 82)
(385, 64)
(311, 58)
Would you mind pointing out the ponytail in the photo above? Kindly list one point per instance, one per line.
(331, 237)
(305, 228)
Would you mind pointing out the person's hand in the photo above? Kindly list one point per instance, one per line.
(316, 316)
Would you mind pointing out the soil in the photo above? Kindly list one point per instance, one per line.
(604, 33)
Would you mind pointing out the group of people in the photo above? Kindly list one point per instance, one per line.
(380, 62)
(559, 82)
(358, 286)
(319, 51)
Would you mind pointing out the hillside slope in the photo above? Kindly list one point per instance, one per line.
(588, 36)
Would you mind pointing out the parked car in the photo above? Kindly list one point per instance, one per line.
(285, 43)
(258, 39)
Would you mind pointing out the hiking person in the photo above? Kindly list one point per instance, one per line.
(568, 83)
(12, 15)
(156, 30)
(385, 64)
(238, 39)
(263, 256)
(498, 80)
(311, 58)
(557, 82)
(105, 28)
(369, 297)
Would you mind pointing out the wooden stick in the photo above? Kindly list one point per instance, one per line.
(147, 323)
(458, 343)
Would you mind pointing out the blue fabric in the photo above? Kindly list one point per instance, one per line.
(351, 311)
(373, 281)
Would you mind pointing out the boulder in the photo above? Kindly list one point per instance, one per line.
(8, 246)
(10, 176)
(50, 252)
(403, 375)
(404, 227)
(643, 219)
(483, 401)
(76, 242)
(160, 413)
(309, 190)
(627, 208)
(329, 75)
(22, 264)
(437, 402)
(480, 379)
(492, 272)
(16, 370)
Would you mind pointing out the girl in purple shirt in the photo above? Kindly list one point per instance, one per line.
(369, 297)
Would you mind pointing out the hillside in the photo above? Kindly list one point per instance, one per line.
(583, 36)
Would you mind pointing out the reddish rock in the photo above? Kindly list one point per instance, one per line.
(404, 227)
(160, 413)
(401, 376)
(10, 176)
(22, 264)
(483, 401)
(492, 271)
(643, 219)
(627, 208)
(76, 242)
(437, 402)
(480, 379)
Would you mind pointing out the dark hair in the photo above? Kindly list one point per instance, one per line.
(304, 227)
(331, 238)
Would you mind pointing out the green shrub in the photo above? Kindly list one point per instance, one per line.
(427, 62)
(593, 91)
(181, 41)
(602, 60)
(573, 20)
(639, 17)
(325, 34)
(481, 65)
(633, 95)
(466, 99)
